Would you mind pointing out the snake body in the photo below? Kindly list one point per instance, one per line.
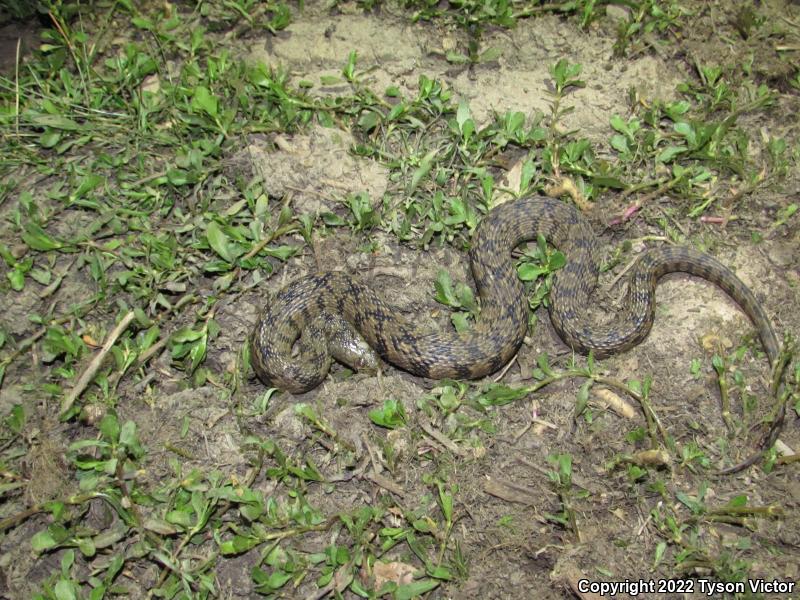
(501, 327)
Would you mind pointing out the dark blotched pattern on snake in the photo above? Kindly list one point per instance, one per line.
(502, 324)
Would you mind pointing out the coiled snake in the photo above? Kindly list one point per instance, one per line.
(332, 300)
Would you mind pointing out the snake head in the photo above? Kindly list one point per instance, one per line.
(346, 345)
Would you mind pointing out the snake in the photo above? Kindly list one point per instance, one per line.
(334, 315)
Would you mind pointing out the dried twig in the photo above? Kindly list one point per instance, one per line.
(441, 438)
(93, 367)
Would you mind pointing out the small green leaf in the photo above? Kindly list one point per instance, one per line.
(687, 131)
(543, 362)
(238, 545)
(670, 152)
(456, 58)
(349, 69)
(109, 427)
(619, 124)
(87, 184)
(422, 170)
(54, 122)
(490, 54)
(460, 321)
(42, 541)
(556, 261)
(180, 517)
(50, 138)
(528, 172)
(179, 177)
(582, 399)
(220, 242)
(675, 110)
(465, 297)
(441, 572)
(65, 590)
(159, 526)
(87, 547)
(462, 114)
(391, 416)
(127, 434)
(109, 537)
(415, 589)
(444, 290)
(16, 418)
(67, 561)
(41, 276)
(530, 272)
(458, 212)
(446, 503)
(499, 394)
(198, 353)
(17, 279)
(369, 121)
(620, 144)
(143, 23)
(609, 182)
(185, 334)
(738, 501)
(205, 101)
(37, 239)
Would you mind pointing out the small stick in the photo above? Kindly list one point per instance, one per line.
(16, 84)
(622, 273)
(505, 369)
(141, 360)
(664, 187)
(725, 398)
(147, 178)
(512, 492)
(18, 518)
(93, 367)
(713, 220)
(385, 483)
(441, 438)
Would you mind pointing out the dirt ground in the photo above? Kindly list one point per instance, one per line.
(511, 547)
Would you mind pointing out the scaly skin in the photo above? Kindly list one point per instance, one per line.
(502, 325)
